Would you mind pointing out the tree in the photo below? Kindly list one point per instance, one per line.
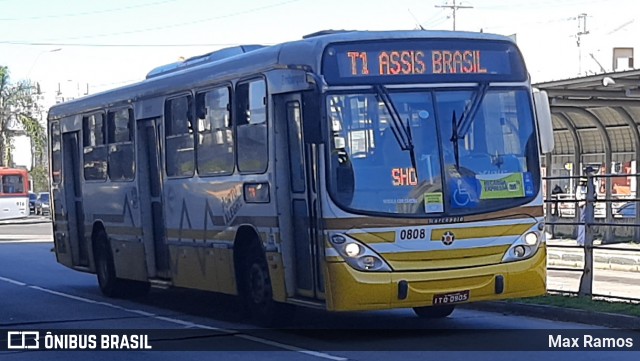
(19, 108)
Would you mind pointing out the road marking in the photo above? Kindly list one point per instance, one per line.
(180, 322)
(37, 240)
(6, 239)
(12, 281)
(291, 348)
(25, 236)
(138, 312)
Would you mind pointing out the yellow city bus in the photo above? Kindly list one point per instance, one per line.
(345, 171)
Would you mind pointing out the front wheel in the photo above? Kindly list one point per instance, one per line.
(258, 294)
(434, 312)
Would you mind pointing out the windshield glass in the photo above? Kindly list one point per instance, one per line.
(495, 165)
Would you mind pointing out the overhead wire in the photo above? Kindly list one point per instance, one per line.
(56, 16)
(171, 26)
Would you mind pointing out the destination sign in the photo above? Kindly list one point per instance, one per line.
(408, 62)
(422, 61)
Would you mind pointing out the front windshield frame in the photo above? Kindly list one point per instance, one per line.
(531, 154)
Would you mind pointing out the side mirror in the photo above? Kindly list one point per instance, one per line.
(543, 116)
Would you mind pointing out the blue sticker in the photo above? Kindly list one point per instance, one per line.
(528, 184)
(464, 192)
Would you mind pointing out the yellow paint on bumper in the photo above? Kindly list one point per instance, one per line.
(351, 290)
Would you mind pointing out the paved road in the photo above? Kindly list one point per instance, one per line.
(37, 293)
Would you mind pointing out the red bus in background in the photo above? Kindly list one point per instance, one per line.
(14, 193)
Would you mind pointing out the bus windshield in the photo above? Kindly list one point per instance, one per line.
(491, 164)
(12, 184)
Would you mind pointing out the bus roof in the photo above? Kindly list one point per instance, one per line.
(307, 51)
(7, 170)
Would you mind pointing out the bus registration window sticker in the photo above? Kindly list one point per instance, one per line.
(434, 202)
(508, 185)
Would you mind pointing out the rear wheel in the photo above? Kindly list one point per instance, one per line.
(110, 285)
(434, 312)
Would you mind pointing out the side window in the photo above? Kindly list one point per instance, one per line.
(179, 137)
(251, 101)
(295, 146)
(94, 147)
(121, 153)
(215, 153)
(56, 153)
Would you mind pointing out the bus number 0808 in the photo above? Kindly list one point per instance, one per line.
(415, 233)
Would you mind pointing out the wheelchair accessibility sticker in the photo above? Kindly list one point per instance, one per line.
(464, 192)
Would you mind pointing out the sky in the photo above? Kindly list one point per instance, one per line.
(79, 46)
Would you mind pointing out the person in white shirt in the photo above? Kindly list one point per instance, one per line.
(581, 196)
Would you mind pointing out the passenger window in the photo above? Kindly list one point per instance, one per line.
(252, 127)
(56, 154)
(119, 126)
(94, 147)
(94, 130)
(121, 152)
(179, 137)
(215, 153)
(294, 125)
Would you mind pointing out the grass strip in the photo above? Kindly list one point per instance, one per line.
(584, 303)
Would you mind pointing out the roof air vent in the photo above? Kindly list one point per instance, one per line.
(202, 59)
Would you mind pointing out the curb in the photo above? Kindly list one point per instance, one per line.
(559, 314)
(596, 265)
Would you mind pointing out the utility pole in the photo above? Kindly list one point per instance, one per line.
(582, 30)
(454, 8)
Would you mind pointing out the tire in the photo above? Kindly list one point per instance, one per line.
(434, 312)
(257, 293)
(110, 285)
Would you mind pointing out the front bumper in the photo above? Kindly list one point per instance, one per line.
(351, 290)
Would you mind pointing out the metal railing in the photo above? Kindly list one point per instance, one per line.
(587, 225)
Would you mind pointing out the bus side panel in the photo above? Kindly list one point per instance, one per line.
(200, 240)
(127, 257)
(203, 268)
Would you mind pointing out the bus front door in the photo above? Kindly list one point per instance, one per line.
(150, 190)
(72, 185)
(302, 195)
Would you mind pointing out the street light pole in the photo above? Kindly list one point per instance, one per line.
(38, 58)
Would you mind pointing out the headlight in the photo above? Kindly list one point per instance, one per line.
(358, 255)
(524, 247)
(352, 250)
(530, 239)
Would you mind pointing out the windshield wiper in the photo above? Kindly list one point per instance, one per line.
(454, 139)
(403, 135)
(470, 111)
(461, 127)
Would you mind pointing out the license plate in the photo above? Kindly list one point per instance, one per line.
(449, 298)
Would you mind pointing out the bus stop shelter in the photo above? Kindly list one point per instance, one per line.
(595, 121)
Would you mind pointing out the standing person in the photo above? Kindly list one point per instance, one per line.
(555, 212)
(581, 196)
